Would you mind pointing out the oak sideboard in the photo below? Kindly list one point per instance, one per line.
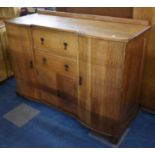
(85, 65)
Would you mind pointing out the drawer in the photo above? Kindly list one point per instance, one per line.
(57, 64)
(59, 42)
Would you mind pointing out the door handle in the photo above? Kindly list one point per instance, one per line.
(42, 40)
(31, 64)
(80, 80)
(65, 45)
(44, 60)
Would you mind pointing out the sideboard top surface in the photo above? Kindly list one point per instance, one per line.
(101, 29)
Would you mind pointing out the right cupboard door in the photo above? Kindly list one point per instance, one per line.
(100, 93)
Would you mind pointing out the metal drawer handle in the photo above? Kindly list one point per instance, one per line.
(42, 40)
(66, 67)
(31, 63)
(44, 60)
(65, 46)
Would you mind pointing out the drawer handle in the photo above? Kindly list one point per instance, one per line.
(31, 63)
(80, 80)
(44, 60)
(66, 67)
(42, 40)
(65, 46)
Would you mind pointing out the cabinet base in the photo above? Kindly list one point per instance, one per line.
(112, 131)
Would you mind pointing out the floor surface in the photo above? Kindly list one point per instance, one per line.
(52, 128)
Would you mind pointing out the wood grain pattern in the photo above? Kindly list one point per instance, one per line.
(84, 107)
(3, 69)
(133, 64)
(106, 59)
(56, 63)
(22, 56)
(148, 90)
(58, 86)
(91, 81)
(5, 63)
(103, 11)
(9, 12)
(111, 73)
(63, 43)
(97, 29)
(91, 90)
(5, 60)
(95, 17)
(101, 69)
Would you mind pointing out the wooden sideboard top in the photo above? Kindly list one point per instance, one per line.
(107, 30)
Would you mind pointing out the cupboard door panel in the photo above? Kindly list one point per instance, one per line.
(101, 68)
(106, 77)
(22, 57)
(67, 92)
(133, 69)
(47, 85)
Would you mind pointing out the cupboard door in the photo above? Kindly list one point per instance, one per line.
(58, 85)
(22, 58)
(101, 69)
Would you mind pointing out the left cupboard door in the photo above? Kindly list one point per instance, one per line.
(20, 46)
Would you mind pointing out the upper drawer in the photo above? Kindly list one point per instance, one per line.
(58, 42)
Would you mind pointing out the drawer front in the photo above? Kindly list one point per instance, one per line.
(59, 42)
(58, 64)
